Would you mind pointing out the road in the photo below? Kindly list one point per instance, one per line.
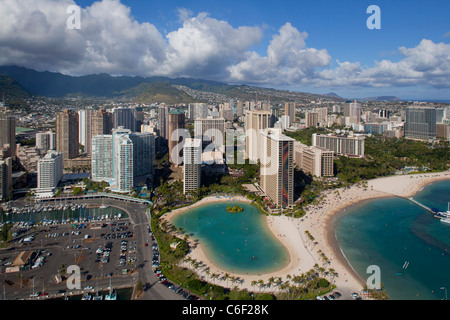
(155, 290)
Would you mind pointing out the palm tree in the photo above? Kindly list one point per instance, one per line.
(260, 285)
(288, 278)
(333, 274)
(278, 282)
(233, 279)
(254, 283)
(214, 276)
(226, 277)
(322, 271)
(271, 281)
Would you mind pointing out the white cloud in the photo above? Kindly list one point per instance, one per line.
(34, 34)
(426, 64)
(204, 46)
(287, 60)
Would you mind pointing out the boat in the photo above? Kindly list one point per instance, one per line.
(445, 216)
(112, 294)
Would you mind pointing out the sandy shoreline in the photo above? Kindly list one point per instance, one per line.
(320, 222)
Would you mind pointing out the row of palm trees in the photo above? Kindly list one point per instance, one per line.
(293, 287)
(203, 268)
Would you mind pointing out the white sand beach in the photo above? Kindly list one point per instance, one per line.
(319, 221)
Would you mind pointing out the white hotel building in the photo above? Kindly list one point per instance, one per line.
(341, 145)
(50, 171)
(122, 156)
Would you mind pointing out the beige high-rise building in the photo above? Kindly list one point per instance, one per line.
(322, 114)
(255, 121)
(442, 131)
(353, 110)
(239, 108)
(311, 119)
(289, 110)
(277, 167)
(210, 131)
(192, 164)
(163, 120)
(101, 122)
(7, 133)
(67, 141)
(316, 161)
(176, 122)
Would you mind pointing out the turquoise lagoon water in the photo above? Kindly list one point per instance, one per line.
(236, 242)
(390, 232)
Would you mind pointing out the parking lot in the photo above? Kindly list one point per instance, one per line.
(104, 251)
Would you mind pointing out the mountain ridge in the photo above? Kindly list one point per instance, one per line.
(145, 89)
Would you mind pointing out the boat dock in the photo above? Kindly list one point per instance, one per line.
(421, 205)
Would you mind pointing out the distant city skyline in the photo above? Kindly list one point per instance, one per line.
(318, 47)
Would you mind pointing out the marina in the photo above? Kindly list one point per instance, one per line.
(61, 213)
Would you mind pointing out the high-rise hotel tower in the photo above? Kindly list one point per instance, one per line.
(277, 167)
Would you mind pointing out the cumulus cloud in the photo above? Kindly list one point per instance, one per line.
(426, 64)
(34, 34)
(204, 46)
(288, 61)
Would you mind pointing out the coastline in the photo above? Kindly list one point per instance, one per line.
(404, 186)
(169, 216)
(320, 221)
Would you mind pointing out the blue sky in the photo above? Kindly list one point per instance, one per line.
(338, 26)
(328, 46)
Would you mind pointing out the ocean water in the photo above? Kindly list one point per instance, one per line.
(236, 242)
(411, 247)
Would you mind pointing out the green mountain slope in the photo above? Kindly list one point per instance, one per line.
(157, 92)
(11, 88)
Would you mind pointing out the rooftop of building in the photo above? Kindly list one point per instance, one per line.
(176, 111)
(276, 134)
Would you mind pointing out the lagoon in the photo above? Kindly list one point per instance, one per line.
(238, 242)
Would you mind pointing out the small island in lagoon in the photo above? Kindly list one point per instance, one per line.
(235, 209)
